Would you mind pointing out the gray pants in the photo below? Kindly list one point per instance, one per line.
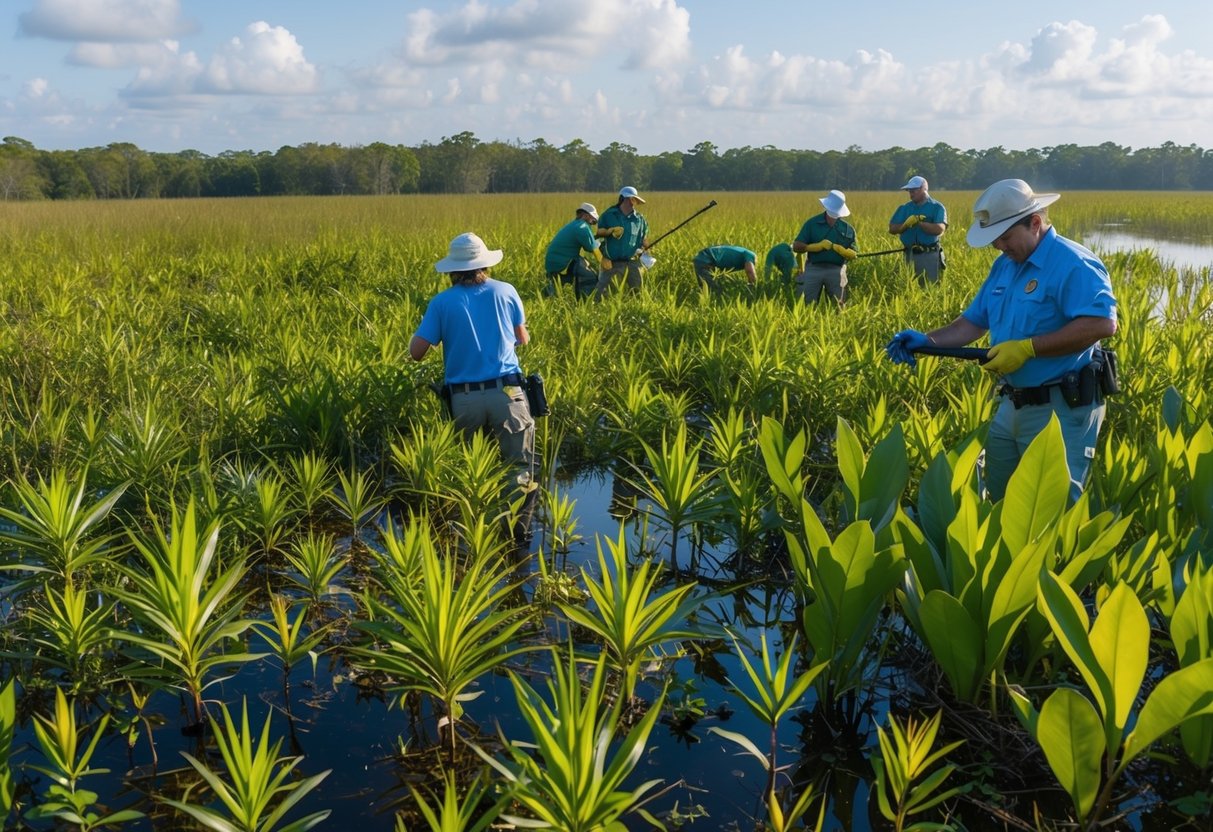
(926, 264)
(577, 274)
(816, 276)
(632, 275)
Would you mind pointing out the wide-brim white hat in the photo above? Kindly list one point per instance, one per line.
(468, 253)
(1000, 206)
(835, 203)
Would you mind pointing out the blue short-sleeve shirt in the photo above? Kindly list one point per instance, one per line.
(475, 324)
(1059, 282)
(932, 209)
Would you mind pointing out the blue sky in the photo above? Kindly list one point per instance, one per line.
(656, 74)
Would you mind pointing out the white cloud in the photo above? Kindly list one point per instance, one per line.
(646, 34)
(36, 87)
(101, 55)
(268, 61)
(109, 21)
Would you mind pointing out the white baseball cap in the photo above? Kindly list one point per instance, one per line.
(915, 182)
(835, 203)
(468, 253)
(1000, 206)
(589, 209)
(631, 193)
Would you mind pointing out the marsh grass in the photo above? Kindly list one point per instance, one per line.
(249, 358)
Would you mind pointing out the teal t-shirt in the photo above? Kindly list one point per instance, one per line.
(817, 229)
(932, 209)
(567, 246)
(781, 259)
(726, 258)
(635, 229)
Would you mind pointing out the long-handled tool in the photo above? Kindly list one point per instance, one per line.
(878, 253)
(965, 353)
(661, 237)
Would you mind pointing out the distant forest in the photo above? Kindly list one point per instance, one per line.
(463, 164)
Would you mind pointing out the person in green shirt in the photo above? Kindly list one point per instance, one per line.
(780, 259)
(563, 261)
(715, 259)
(624, 233)
(829, 242)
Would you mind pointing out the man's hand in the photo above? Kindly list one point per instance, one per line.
(844, 252)
(1009, 356)
(901, 348)
(912, 220)
(616, 232)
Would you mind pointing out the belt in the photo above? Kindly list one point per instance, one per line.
(1022, 396)
(917, 249)
(472, 386)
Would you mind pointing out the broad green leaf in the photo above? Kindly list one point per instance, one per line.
(1120, 640)
(1186, 693)
(851, 462)
(1011, 602)
(955, 641)
(1038, 489)
(1068, 618)
(1068, 731)
(884, 479)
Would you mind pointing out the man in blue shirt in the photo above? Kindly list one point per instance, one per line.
(624, 233)
(920, 223)
(563, 261)
(1046, 303)
(724, 259)
(829, 242)
(479, 321)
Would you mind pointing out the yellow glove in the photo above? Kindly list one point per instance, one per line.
(1009, 356)
(819, 246)
(912, 221)
(617, 232)
(606, 264)
(844, 252)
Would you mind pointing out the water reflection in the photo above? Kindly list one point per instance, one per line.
(1181, 255)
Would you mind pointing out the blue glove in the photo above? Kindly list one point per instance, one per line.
(901, 349)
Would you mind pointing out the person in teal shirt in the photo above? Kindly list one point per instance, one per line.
(829, 242)
(780, 259)
(563, 261)
(624, 232)
(920, 223)
(724, 259)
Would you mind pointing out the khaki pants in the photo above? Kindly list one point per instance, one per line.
(631, 271)
(504, 411)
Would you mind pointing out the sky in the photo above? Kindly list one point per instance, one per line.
(659, 75)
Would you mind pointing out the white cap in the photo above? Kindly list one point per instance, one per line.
(835, 203)
(914, 183)
(468, 253)
(1000, 206)
(631, 193)
(589, 209)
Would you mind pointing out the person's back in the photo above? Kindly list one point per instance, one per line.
(476, 321)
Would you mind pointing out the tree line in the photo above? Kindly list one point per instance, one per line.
(463, 164)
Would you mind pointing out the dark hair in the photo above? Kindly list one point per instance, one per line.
(471, 277)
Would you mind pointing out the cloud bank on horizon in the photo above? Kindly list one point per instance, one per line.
(90, 72)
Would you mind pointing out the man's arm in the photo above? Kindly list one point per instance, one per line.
(959, 333)
(521, 335)
(1075, 336)
(750, 273)
(418, 347)
(933, 228)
